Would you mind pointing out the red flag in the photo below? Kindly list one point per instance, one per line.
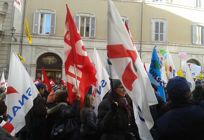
(45, 80)
(79, 70)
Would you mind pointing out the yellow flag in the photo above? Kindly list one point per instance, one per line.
(180, 73)
(27, 31)
(21, 58)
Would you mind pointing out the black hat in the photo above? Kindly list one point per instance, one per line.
(115, 83)
(178, 89)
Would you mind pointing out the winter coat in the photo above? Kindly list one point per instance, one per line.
(36, 120)
(5, 136)
(116, 122)
(64, 113)
(88, 124)
(183, 122)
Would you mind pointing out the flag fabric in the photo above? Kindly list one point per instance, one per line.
(169, 66)
(21, 92)
(103, 82)
(3, 81)
(8, 127)
(188, 75)
(21, 58)
(155, 71)
(18, 4)
(27, 32)
(79, 70)
(45, 80)
(195, 69)
(128, 66)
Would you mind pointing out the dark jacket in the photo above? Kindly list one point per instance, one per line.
(116, 122)
(68, 115)
(88, 124)
(36, 119)
(5, 136)
(183, 122)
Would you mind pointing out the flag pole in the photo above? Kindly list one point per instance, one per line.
(22, 28)
(141, 26)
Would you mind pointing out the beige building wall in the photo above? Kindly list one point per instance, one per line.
(139, 15)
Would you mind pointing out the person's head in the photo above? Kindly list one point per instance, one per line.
(118, 87)
(2, 89)
(178, 90)
(61, 95)
(41, 88)
(89, 100)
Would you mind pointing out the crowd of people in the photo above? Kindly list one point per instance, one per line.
(53, 118)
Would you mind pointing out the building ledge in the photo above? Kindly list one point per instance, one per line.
(2, 13)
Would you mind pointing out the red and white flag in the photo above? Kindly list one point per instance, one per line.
(45, 80)
(124, 57)
(18, 4)
(80, 72)
(21, 92)
(8, 127)
(3, 81)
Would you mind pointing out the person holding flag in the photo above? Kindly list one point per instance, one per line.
(130, 70)
(115, 115)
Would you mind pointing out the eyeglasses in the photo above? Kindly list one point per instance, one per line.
(121, 87)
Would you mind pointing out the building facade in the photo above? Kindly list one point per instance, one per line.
(6, 32)
(161, 23)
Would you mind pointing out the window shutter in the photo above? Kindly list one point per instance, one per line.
(77, 21)
(93, 27)
(165, 31)
(53, 23)
(202, 36)
(193, 34)
(153, 30)
(36, 22)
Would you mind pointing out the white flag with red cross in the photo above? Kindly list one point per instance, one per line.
(124, 57)
(21, 92)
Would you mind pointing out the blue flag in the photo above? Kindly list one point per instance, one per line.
(155, 72)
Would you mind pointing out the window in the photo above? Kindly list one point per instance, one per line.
(86, 24)
(198, 34)
(44, 22)
(159, 30)
(198, 4)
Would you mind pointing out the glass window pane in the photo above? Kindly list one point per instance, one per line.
(161, 27)
(47, 27)
(87, 26)
(161, 37)
(156, 27)
(156, 37)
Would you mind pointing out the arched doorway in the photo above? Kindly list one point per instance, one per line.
(194, 61)
(52, 64)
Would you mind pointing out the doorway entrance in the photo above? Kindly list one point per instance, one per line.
(52, 64)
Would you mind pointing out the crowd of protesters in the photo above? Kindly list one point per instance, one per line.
(53, 118)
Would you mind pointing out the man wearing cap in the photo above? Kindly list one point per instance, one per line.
(184, 120)
(115, 115)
